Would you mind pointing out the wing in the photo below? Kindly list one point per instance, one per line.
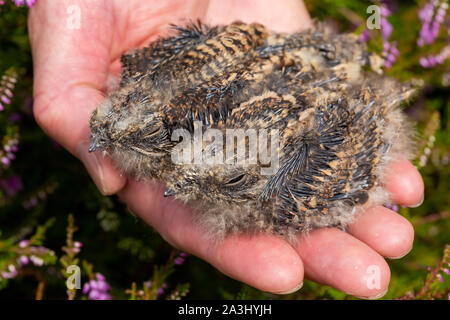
(329, 161)
(236, 91)
(196, 56)
(145, 61)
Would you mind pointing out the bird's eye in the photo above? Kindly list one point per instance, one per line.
(237, 181)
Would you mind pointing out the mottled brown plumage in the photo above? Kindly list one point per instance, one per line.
(338, 125)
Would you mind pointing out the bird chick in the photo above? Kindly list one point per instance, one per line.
(329, 126)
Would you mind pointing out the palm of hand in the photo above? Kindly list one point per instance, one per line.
(73, 69)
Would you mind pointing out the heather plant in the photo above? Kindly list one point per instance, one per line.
(55, 225)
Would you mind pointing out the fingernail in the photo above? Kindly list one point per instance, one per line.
(292, 290)
(399, 257)
(378, 296)
(419, 204)
(92, 164)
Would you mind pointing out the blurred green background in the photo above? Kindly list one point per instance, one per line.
(45, 183)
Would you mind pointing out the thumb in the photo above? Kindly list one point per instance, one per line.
(66, 119)
(70, 72)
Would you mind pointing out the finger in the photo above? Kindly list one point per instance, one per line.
(385, 231)
(265, 262)
(335, 258)
(70, 69)
(404, 183)
(285, 16)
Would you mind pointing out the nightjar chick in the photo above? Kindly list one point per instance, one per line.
(313, 128)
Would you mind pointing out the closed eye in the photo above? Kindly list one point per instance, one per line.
(236, 181)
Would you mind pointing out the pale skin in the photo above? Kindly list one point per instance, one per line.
(73, 69)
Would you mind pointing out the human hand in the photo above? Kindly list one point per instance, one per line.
(73, 69)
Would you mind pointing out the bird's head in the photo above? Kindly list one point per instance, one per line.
(129, 120)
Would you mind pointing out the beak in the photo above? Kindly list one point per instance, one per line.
(94, 146)
(169, 193)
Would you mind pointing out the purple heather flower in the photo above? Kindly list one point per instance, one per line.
(395, 51)
(12, 272)
(76, 244)
(159, 292)
(388, 64)
(5, 161)
(6, 100)
(11, 185)
(391, 58)
(104, 296)
(384, 11)
(23, 260)
(93, 284)
(100, 277)
(178, 261)
(29, 3)
(393, 207)
(439, 59)
(24, 243)
(37, 261)
(390, 53)
(432, 61)
(97, 288)
(430, 27)
(386, 28)
(365, 35)
(424, 62)
(446, 271)
(440, 277)
(86, 288)
(102, 286)
(148, 284)
(8, 92)
(94, 294)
